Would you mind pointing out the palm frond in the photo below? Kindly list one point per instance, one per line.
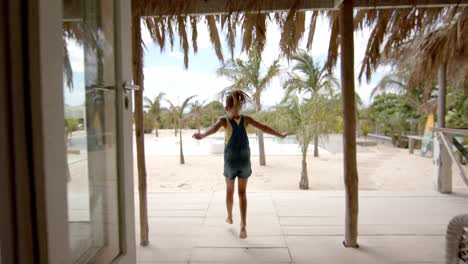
(214, 36)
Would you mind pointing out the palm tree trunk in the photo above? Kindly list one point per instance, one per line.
(182, 160)
(304, 183)
(316, 141)
(349, 123)
(261, 148)
(140, 141)
(261, 141)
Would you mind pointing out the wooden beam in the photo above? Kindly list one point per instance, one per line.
(349, 123)
(137, 68)
(385, 4)
(206, 7)
(453, 131)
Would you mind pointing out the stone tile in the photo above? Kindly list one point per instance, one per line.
(233, 241)
(171, 242)
(175, 226)
(251, 219)
(241, 255)
(178, 206)
(176, 213)
(156, 253)
(373, 249)
(333, 230)
(252, 230)
(311, 220)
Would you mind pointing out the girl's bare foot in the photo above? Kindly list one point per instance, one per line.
(243, 232)
(229, 220)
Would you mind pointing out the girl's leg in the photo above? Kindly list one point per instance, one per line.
(229, 199)
(242, 187)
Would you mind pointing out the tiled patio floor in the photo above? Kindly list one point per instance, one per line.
(299, 227)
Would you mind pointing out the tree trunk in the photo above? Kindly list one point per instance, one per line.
(140, 141)
(316, 141)
(349, 123)
(261, 148)
(304, 183)
(182, 160)
(442, 96)
(157, 132)
(175, 131)
(261, 141)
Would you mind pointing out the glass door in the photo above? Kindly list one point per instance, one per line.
(91, 130)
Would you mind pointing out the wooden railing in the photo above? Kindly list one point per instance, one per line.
(444, 156)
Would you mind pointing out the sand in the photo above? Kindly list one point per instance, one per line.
(380, 167)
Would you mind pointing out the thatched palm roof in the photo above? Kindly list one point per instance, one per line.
(392, 30)
(437, 34)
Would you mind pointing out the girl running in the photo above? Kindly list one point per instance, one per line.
(237, 152)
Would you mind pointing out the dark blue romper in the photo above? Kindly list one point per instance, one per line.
(237, 152)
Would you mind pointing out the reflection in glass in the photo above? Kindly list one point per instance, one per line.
(90, 130)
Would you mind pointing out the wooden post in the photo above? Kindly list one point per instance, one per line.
(442, 95)
(411, 145)
(137, 59)
(443, 175)
(349, 123)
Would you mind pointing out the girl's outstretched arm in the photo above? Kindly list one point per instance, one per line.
(211, 130)
(264, 128)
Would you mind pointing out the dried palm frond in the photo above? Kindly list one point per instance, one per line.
(153, 24)
(334, 43)
(293, 29)
(247, 29)
(193, 23)
(77, 32)
(260, 31)
(170, 31)
(231, 35)
(427, 51)
(372, 55)
(183, 38)
(392, 30)
(67, 68)
(313, 23)
(214, 36)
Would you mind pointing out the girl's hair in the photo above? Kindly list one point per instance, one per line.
(236, 99)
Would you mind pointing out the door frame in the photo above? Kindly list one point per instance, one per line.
(36, 226)
(123, 65)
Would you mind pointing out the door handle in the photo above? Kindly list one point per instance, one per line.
(129, 86)
(101, 87)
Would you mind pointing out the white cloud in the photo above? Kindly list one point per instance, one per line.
(178, 83)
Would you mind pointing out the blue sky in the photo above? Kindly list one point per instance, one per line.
(164, 71)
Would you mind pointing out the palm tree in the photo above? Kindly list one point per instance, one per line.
(247, 76)
(310, 80)
(154, 108)
(178, 113)
(307, 120)
(196, 113)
